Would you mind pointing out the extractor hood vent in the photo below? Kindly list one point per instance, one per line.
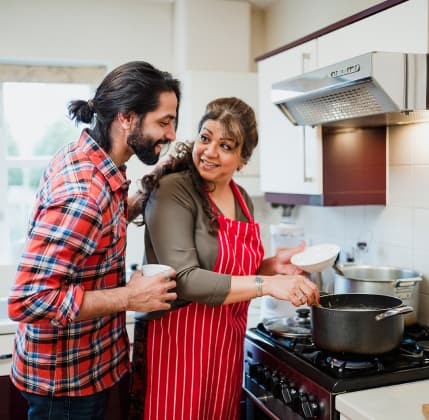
(370, 90)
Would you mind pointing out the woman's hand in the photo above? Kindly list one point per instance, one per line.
(297, 289)
(282, 264)
(134, 205)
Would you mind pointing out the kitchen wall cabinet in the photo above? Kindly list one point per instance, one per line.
(293, 160)
(308, 165)
(402, 28)
(289, 156)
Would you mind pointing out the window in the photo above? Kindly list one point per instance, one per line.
(33, 125)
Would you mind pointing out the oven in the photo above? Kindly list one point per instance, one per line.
(290, 378)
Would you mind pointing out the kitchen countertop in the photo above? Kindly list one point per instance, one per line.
(396, 402)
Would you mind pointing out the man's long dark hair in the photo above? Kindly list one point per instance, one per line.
(132, 87)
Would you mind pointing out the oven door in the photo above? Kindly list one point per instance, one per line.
(265, 407)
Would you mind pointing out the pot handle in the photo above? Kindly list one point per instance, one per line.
(407, 282)
(393, 312)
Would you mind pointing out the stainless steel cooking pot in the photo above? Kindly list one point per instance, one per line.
(390, 281)
(358, 323)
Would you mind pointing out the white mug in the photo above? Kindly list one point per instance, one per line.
(153, 269)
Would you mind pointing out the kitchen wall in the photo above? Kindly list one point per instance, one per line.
(98, 31)
(289, 20)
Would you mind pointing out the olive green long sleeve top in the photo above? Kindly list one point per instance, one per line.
(177, 235)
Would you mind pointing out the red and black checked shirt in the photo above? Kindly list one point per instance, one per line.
(76, 242)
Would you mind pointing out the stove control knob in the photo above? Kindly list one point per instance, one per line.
(273, 385)
(266, 378)
(295, 396)
(309, 406)
(288, 392)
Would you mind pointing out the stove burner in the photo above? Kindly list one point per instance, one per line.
(417, 332)
(424, 345)
(411, 350)
(351, 364)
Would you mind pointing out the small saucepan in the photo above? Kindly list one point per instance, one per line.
(358, 323)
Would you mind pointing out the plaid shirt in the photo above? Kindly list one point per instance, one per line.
(76, 242)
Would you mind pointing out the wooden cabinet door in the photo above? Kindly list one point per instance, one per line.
(290, 156)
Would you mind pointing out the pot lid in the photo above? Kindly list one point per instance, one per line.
(287, 327)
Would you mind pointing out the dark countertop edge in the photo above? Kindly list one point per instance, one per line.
(334, 26)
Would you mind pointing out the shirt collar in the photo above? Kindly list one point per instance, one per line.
(116, 177)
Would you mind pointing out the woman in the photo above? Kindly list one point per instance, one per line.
(200, 222)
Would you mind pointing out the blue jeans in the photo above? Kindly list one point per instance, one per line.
(43, 407)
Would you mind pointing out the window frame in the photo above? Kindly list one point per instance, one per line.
(90, 74)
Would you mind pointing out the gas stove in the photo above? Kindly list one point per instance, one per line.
(290, 378)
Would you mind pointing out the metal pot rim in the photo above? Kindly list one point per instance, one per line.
(414, 274)
(400, 303)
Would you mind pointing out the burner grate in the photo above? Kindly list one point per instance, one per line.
(409, 355)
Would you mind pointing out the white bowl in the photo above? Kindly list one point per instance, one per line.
(316, 258)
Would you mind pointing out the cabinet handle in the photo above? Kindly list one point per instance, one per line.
(304, 57)
(304, 154)
(5, 356)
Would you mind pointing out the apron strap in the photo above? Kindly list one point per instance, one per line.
(241, 201)
(237, 194)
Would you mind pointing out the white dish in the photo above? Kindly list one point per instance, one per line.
(316, 258)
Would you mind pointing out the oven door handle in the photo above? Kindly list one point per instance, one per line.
(258, 401)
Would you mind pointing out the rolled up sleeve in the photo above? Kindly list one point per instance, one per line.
(61, 237)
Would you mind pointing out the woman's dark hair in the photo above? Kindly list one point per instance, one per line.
(239, 122)
(132, 87)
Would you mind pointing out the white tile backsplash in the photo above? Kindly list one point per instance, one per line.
(401, 185)
(400, 140)
(421, 264)
(421, 229)
(420, 186)
(418, 138)
(394, 226)
(384, 253)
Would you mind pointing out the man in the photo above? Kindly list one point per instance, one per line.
(70, 294)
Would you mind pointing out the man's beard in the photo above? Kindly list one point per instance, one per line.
(144, 146)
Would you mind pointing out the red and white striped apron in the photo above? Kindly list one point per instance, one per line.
(195, 354)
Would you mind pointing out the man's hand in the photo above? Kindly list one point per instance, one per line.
(141, 294)
(150, 293)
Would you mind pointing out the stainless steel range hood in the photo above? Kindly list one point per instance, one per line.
(374, 89)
